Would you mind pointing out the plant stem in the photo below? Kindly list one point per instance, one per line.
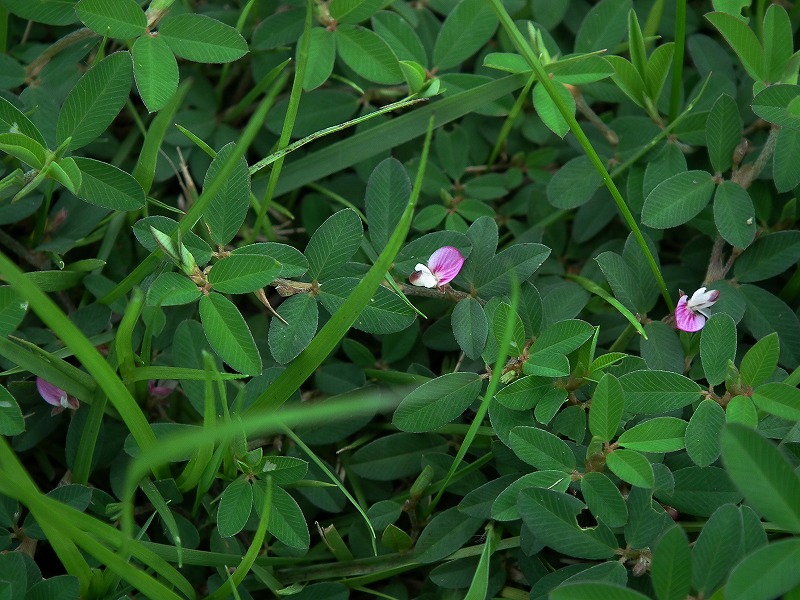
(677, 62)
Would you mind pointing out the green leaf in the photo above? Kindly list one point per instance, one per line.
(95, 101)
(235, 505)
(470, 327)
(734, 214)
(172, 289)
(552, 515)
(202, 39)
(605, 413)
(628, 79)
(465, 30)
(678, 199)
(120, 19)
(228, 334)
(767, 573)
(741, 409)
(778, 42)
(60, 587)
(564, 337)
(67, 173)
(395, 456)
(760, 471)
(227, 210)
(717, 549)
(388, 190)
(287, 341)
(401, 37)
(519, 261)
(396, 539)
(624, 281)
(12, 310)
(700, 491)
(546, 364)
(13, 120)
(604, 499)
(11, 421)
(774, 104)
(292, 261)
(542, 449)
(704, 433)
(447, 532)
(769, 256)
(527, 392)
(286, 521)
(778, 399)
(723, 132)
(632, 467)
(547, 110)
(50, 12)
(743, 41)
(766, 314)
(573, 184)
(761, 360)
(385, 313)
(658, 67)
(437, 402)
(155, 70)
(108, 186)
(354, 11)
(502, 315)
(24, 149)
(660, 434)
(505, 506)
(603, 27)
(662, 349)
(195, 245)
(717, 347)
(671, 569)
(322, 50)
(333, 244)
(654, 392)
(243, 273)
(367, 54)
(786, 167)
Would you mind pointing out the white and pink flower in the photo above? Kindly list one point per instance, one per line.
(55, 396)
(691, 314)
(442, 268)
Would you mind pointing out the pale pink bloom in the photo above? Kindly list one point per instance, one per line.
(691, 314)
(159, 391)
(443, 266)
(55, 396)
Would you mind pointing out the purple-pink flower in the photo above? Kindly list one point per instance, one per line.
(690, 314)
(442, 268)
(55, 396)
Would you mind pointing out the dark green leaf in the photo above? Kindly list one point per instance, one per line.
(226, 211)
(717, 549)
(202, 39)
(671, 569)
(470, 327)
(734, 214)
(465, 30)
(778, 399)
(385, 313)
(394, 456)
(604, 499)
(769, 256)
(155, 70)
(660, 434)
(121, 19)
(367, 54)
(704, 433)
(287, 341)
(243, 273)
(761, 360)
(767, 573)
(678, 199)
(234, 507)
(447, 532)
(717, 347)
(605, 413)
(228, 334)
(632, 467)
(653, 392)
(437, 402)
(108, 186)
(542, 449)
(333, 244)
(723, 132)
(603, 26)
(388, 190)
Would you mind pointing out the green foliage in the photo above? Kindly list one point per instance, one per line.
(241, 351)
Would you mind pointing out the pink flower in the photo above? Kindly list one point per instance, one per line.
(443, 266)
(159, 391)
(55, 396)
(690, 314)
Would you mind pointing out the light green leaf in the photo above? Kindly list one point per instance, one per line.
(743, 41)
(235, 505)
(12, 310)
(604, 499)
(760, 471)
(542, 449)
(547, 110)
(23, 148)
(605, 413)
(704, 433)
(470, 327)
(769, 572)
(564, 337)
(546, 363)
(108, 186)
(333, 244)
(654, 392)
(120, 19)
(322, 55)
(243, 273)
(632, 467)
(155, 70)
(13, 120)
(227, 210)
(292, 261)
(367, 54)
(678, 199)
(774, 104)
(734, 214)
(95, 101)
(287, 341)
(228, 334)
(778, 399)
(671, 569)
(172, 289)
(661, 434)
(354, 11)
(502, 315)
(465, 30)
(761, 360)
(286, 520)
(202, 39)
(437, 402)
(385, 313)
(717, 347)
(11, 421)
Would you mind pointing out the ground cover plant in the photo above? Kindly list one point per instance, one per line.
(392, 299)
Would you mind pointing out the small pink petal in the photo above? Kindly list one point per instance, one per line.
(158, 391)
(445, 263)
(686, 319)
(51, 394)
